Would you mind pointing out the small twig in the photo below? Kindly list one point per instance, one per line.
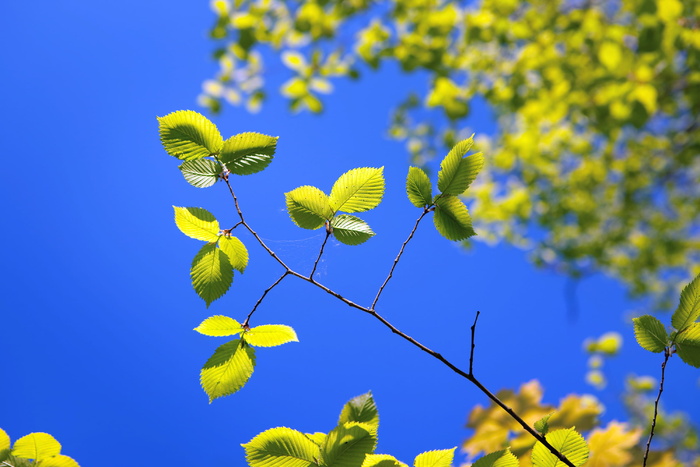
(471, 352)
(245, 323)
(323, 245)
(398, 257)
(667, 354)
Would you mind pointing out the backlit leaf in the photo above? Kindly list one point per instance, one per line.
(650, 333)
(542, 425)
(452, 218)
(441, 458)
(197, 223)
(360, 409)
(4, 440)
(351, 230)
(36, 446)
(57, 461)
(688, 345)
(688, 310)
(502, 458)
(201, 173)
(235, 250)
(188, 135)
(211, 273)
(317, 437)
(381, 460)
(281, 447)
(308, 207)
(358, 190)
(568, 442)
(347, 444)
(270, 335)
(219, 325)
(228, 369)
(418, 187)
(457, 172)
(248, 153)
(611, 446)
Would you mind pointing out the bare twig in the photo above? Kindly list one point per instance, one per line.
(667, 354)
(245, 323)
(323, 245)
(471, 352)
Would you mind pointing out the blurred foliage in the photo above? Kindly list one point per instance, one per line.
(595, 162)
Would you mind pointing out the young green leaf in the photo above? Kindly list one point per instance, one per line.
(197, 223)
(440, 458)
(36, 446)
(502, 458)
(228, 369)
(219, 326)
(281, 447)
(418, 187)
(542, 425)
(201, 173)
(358, 190)
(188, 135)
(211, 273)
(57, 461)
(347, 444)
(688, 345)
(650, 333)
(308, 207)
(317, 437)
(361, 409)
(688, 310)
(458, 172)
(381, 460)
(270, 335)
(568, 442)
(452, 218)
(351, 230)
(235, 250)
(248, 153)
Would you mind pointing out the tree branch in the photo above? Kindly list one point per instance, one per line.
(245, 323)
(667, 354)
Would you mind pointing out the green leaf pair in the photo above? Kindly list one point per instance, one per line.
(193, 138)
(457, 172)
(232, 364)
(350, 444)
(212, 267)
(652, 335)
(357, 190)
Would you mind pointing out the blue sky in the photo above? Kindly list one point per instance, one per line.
(98, 310)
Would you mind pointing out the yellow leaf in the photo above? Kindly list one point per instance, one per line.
(610, 446)
(4, 440)
(36, 446)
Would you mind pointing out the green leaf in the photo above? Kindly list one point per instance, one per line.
(317, 437)
(219, 325)
(458, 172)
(351, 230)
(361, 409)
(688, 345)
(36, 446)
(542, 425)
(235, 250)
(308, 207)
(57, 461)
(688, 310)
(201, 173)
(568, 442)
(502, 458)
(197, 223)
(382, 460)
(4, 440)
(439, 458)
(347, 444)
(248, 153)
(188, 135)
(358, 190)
(211, 273)
(418, 187)
(452, 218)
(650, 333)
(228, 369)
(281, 447)
(270, 335)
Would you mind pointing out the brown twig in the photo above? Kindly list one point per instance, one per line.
(245, 323)
(323, 245)
(667, 354)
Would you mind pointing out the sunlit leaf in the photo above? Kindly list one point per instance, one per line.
(542, 425)
(351, 230)
(211, 273)
(361, 409)
(248, 153)
(439, 458)
(568, 442)
(197, 223)
(452, 218)
(4, 440)
(688, 345)
(308, 207)
(650, 333)
(457, 172)
(611, 446)
(57, 461)
(188, 135)
(270, 335)
(228, 369)
(418, 187)
(502, 458)
(688, 310)
(219, 326)
(317, 437)
(347, 444)
(358, 190)
(235, 250)
(201, 173)
(381, 460)
(281, 447)
(36, 446)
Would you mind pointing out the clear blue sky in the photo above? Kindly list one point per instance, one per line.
(97, 307)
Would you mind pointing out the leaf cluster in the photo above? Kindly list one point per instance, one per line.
(34, 449)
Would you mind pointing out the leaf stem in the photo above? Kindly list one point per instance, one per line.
(245, 323)
(667, 354)
(323, 245)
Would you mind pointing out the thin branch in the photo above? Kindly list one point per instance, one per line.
(245, 323)
(471, 352)
(398, 257)
(667, 354)
(323, 245)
